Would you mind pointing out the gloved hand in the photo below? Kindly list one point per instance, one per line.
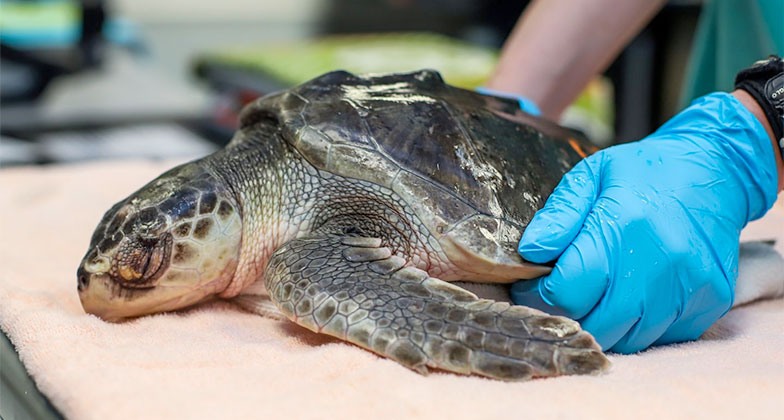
(646, 234)
(525, 104)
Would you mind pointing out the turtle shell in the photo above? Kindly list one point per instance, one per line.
(474, 168)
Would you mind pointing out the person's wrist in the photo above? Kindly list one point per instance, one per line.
(751, 104)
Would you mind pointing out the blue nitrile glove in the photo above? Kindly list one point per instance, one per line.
(646, 233)
(526, 104)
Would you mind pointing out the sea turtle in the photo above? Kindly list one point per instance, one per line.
(356, 200)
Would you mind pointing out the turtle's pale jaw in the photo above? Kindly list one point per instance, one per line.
(179, 284)
(110, 301)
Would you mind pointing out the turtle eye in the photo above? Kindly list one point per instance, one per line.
(130, 263)
(142, 261)
(157, 258)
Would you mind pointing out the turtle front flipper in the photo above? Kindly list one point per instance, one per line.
(356, 290)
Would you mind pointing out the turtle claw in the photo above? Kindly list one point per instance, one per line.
(581, 361)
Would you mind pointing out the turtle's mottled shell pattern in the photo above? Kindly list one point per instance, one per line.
(474, 167)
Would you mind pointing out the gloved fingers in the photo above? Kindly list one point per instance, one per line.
(711, 284)
(609, 325)
(688, 329)
(557, 224)
(704, 308)
(526, 292)
(578, 280)
(683, 332)
(628, 315)
(645, 332)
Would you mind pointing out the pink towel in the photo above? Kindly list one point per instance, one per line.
(216, 361)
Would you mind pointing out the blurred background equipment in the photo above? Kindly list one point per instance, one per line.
(83, 79)
(41, 40)
(243, 73)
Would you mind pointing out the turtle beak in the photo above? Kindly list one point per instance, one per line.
(94, 297)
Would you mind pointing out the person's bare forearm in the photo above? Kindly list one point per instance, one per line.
(558, 46)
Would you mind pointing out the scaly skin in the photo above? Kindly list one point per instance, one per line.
(282, 196)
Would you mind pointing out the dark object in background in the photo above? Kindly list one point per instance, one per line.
(447, 17)
(28, 70)
(649, 73)
(91, 44)
(24, 76)
(483, 22)
(240, 75)
(647, 76)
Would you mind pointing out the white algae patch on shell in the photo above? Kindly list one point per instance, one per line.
(399, 92)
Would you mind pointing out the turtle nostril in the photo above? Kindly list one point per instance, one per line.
(83, 280)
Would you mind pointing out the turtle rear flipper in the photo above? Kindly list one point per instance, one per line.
(355, 289)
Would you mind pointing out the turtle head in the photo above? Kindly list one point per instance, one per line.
(171, 244)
